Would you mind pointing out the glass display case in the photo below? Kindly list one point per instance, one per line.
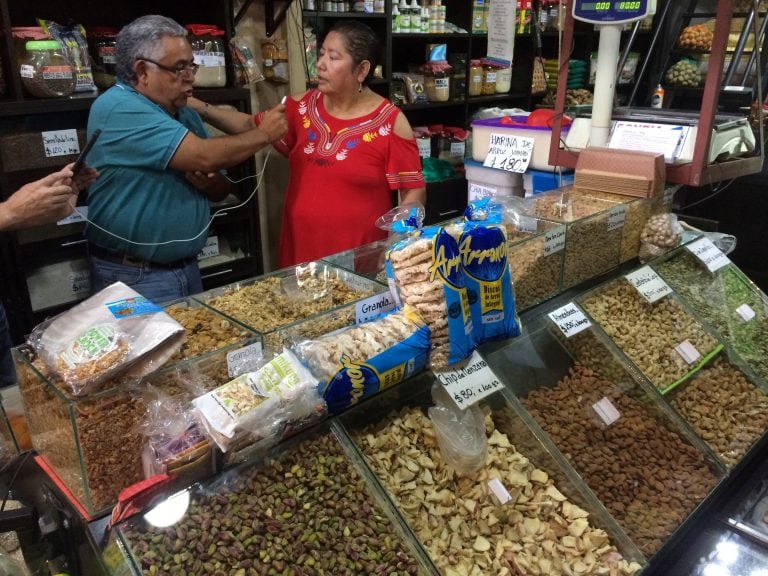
(308, 507)
(518, 510)
(94, 443)
(640, 459)
(733, 306)
(270, 304)
(593, 236)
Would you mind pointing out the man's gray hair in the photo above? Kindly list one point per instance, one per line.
(141, 39)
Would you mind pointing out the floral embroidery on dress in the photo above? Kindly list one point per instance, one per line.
(302, 107)
(305, 122)
(385, 130)
(369, 136)
(352, 144)
(309, 148)
(341, 155)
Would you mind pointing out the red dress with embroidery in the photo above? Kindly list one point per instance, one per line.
(342, 173)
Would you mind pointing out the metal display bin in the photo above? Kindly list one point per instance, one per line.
(549, 524)
(308, 505)
(269, 303)
(637, 456)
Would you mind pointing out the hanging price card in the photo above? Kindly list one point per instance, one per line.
(745, 312)
(648, 284)
(245, 359)
(616, 217)
(471, 383)
(709, 254)
(554, 240)
(210, 249)
(372, 306)
(509, 152)
(606, 411)
(569, 319)
(60, 142)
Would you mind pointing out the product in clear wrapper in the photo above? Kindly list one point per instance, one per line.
(484, 260)
(72, 39)
(661, 233)
(426, 271)
(357, 362)
(257, 405)
(116, 331)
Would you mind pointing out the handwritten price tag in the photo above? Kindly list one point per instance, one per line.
(372, 306)
(616, 217)
(471, 383)
(709, 254)
(80, 214)
(569, 319)
(60, 142)
(554, 240)
(210, 249)
(648, 284)
(510, 153)
(79, 282)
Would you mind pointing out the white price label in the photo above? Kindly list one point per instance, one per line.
(616, 217)
(458, 149)
(509, 152)
(709, 254)
(471, 383)
(528, 224)
(210, 249)
(60, 142)
(499, 492)
(425, 147)
(648, 284)
(79, 282)
(372, 306)
(607, 412)
(687, 352)
(745, 312)
(79, 214)
(478, 192)
(245, 359)
(554, 240)
(570, 319)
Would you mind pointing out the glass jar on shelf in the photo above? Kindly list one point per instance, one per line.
(437, 80)
(490, 71)
(208, 47)
(102, 41)
(45, 71)
(503, 79)
(475, 83)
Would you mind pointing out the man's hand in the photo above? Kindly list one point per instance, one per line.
(212, 185)
(274, 124)
(46, 200)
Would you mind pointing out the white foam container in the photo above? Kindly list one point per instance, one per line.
(541, 135)
(484, 182)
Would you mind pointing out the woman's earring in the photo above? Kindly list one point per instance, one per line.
(360, 87)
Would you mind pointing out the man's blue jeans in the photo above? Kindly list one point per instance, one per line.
(160, 285)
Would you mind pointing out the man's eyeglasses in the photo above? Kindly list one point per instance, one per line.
(179, 71)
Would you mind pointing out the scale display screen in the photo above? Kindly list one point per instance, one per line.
(613, 11)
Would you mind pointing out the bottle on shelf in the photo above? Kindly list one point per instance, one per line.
(405, 17)
(415, 10)
(657, 100)
(395, 18)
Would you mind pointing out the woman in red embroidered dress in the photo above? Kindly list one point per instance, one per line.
(348, 149)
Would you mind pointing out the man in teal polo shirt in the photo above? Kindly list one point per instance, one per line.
(148, 211)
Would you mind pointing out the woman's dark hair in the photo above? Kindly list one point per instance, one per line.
(361, 42)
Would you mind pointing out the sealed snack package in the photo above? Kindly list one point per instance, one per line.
(460, 433)
(116, 331)
(425, 272)
(72, 40)
(661, 233)
(174, 443)
(359, 361)
(484, 259)
(258, 405)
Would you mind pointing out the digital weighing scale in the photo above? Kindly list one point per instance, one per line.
(671, 132)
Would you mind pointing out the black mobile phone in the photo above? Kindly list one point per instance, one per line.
(80, 162)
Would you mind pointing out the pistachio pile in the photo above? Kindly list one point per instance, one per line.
(724, 408)
(716, 298)
(643, 470)
(465, 531)
(648, 333)
(306, 512)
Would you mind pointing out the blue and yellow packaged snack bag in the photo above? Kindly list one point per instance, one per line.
(485, 262)
(425, 273)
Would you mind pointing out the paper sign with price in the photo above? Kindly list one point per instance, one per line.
(648, 284)
(509, 152)
(709, 254)
(569, 319)
(471, 383)
(60, 142)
